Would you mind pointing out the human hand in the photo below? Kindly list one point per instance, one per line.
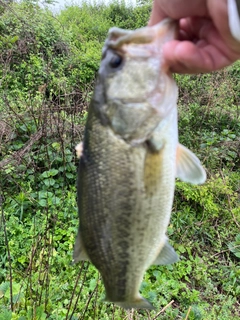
(205, 42)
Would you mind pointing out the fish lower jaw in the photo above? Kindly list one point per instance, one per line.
(135, 303)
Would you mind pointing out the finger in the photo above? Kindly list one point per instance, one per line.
(219, 13)
(187, 57)
(177, 9)
(204, 35)
(157, 14)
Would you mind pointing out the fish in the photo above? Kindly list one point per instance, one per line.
(129, 159)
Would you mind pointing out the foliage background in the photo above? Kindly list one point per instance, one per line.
(48, 67)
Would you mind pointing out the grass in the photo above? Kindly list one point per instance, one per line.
(39, 220)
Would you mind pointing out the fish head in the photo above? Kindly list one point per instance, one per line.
(135, 86)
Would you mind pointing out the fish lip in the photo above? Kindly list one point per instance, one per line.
(145, 35)
(143, 42)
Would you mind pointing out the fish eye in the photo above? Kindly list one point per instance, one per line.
(116, 61)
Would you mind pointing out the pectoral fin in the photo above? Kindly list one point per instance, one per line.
(189, 168)
(79, 150)
(166, 256)
(79, 252)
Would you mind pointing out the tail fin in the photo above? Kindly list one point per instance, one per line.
(139, 303)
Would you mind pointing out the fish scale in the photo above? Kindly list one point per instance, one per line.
(130, 158)
(116, 189)
(116, 196)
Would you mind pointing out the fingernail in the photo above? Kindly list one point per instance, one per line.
(234, 18)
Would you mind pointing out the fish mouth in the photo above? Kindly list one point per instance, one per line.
(120, 39)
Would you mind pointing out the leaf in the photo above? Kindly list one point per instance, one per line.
(3, 288)
(238, 238)
(56, 200)
(181, 248)
(22, 259)
(49, 182)
(43, 202)
(69, 175)
(14, 39)
(152, 296)
(40, 314)
(6, 315)
(17, 297)
(92, 284)
(45, 194)
(237, 254)
(49, 173)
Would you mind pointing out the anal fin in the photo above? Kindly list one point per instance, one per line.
(189, 168)
(79, 252)
(166, 256)
(140, 303)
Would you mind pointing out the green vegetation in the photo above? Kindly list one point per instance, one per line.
(48, 67)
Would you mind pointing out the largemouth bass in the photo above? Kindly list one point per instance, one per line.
(130, 158)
